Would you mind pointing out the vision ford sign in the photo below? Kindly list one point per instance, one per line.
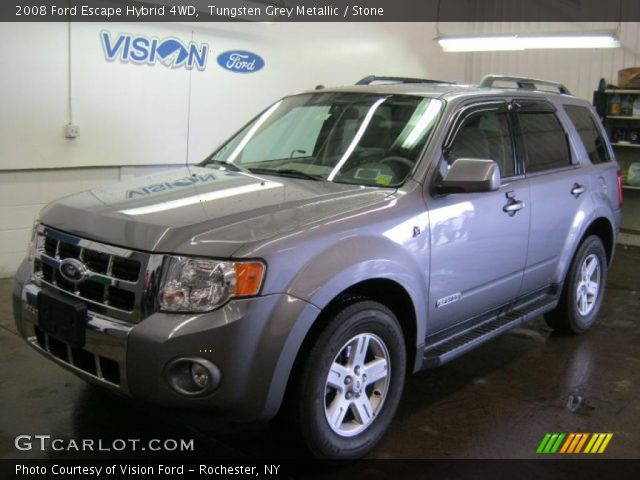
(240, 61)
(141, 49)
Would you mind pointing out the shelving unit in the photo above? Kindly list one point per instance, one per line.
(627, 152)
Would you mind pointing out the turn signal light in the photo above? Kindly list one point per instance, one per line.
(620, 197)
(248, 278)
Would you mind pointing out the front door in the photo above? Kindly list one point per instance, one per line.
(478, 240)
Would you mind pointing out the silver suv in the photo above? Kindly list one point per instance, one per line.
(341, 240)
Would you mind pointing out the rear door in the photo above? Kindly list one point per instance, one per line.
(478, 248)
(559, 186)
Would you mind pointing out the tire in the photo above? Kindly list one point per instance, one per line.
(581, 300)
(333, 384)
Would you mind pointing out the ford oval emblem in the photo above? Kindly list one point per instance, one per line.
(73, 270)
(240, 61)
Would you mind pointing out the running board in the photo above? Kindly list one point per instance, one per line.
(461, 342)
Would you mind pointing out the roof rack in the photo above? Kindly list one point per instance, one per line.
(372, 78)
(523, 83)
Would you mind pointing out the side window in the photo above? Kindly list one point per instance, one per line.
(589, 133)
(544, 140)
(485, 135)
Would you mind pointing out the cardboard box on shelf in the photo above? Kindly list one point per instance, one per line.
(629, 77)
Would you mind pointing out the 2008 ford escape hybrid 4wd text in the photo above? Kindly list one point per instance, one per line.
(341, 240)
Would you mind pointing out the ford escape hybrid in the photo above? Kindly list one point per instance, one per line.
(341, 240)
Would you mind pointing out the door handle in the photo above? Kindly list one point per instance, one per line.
(512, 207)
(577, 190)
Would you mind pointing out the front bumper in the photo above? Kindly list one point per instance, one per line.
(253, 342)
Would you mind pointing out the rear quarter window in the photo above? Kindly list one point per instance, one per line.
(589, 133)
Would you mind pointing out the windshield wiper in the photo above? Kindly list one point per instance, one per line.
(286, 172)
(225, 165)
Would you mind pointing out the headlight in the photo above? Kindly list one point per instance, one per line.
(200, 284)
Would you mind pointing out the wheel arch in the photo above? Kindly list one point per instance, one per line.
(601, 226)
(388, 292)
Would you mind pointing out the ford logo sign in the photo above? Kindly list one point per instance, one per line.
(240, 61)
(73, 270)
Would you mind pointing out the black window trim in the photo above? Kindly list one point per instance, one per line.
(537, 105)
(461, 115)
(458, 119)
(517, 107)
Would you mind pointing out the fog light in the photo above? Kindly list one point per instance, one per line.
(199, 375)
(192, 376)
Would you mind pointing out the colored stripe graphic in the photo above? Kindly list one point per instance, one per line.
(550, 443)
(567, 443)
(581, 443)
(591, 442)
(543, 443)
(598, 442)
(555, 447)
(606, 442)
(573, 443)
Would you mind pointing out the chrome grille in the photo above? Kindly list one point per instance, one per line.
(118, 282)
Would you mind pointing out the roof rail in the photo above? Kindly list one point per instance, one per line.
(372, 78)
(523, 83)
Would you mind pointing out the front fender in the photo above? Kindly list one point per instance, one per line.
(347, 263)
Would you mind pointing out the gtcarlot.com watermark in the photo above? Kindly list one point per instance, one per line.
(47, 443)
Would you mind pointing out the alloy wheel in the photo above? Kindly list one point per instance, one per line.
(357, 384)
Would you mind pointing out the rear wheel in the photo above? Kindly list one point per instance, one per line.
(352, 382)
(583, 289)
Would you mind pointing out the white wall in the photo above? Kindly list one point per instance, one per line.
(137, 115)
(580, 70)
(24, 192)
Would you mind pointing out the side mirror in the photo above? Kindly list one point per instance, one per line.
(469, 175)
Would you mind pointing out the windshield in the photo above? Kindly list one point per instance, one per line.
(364, 139)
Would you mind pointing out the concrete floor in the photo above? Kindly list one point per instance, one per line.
(496, 402)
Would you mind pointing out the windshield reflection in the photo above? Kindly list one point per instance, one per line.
(362, 139)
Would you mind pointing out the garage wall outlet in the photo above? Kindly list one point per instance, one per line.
(71, 131)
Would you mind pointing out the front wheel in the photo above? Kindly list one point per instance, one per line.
(352, 382)
(583, 289)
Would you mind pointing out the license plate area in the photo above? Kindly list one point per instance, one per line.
(62, 318)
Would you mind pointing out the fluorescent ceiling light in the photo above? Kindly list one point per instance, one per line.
(486, 43)
(571, 41)
(479, 44)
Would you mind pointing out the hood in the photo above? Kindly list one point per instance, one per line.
(202, 211)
